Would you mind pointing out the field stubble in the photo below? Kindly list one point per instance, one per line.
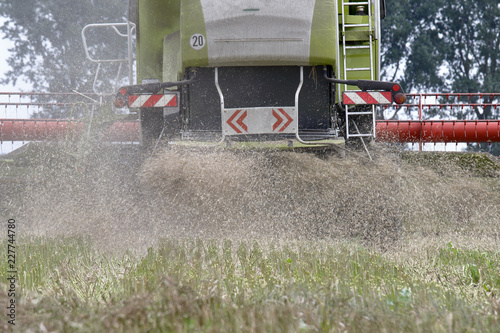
(318, 241)
(123, 201)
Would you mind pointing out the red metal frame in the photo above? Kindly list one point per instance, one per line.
(28, 103)
(57, 130)
(447, 131)
(438, 131)
(421, 130)
(423, 101)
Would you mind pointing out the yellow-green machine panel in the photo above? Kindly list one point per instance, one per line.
(257, 55)
(233, 33)
(156, 19)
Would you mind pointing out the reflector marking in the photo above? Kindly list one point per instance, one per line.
(131, 99)
(173, 101)
(260, 120)
(239, 121)
(279, 120)
(367, 97)
(149, 101)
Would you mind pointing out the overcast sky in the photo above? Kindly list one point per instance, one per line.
(5, 45)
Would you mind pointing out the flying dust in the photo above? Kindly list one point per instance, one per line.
(123, 200)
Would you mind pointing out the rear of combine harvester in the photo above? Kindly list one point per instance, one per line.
(257, 70)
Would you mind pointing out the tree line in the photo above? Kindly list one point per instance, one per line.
(48, 51)
(427, 45)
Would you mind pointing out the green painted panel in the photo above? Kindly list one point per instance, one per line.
(323, 32)
(351, 36)
(193, 23)
(163, 53)
(171, 57)
(356, 33)
(157, 18)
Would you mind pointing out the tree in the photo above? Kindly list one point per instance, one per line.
(48, 50)
(411, 51)
(471, 30)
(446, 45)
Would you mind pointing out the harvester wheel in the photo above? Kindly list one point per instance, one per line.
(151, 125)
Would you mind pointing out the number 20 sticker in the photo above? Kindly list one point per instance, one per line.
(197, 41)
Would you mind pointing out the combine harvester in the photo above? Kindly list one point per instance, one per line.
(221, 70)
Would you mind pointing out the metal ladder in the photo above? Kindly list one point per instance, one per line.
(129, 61)
(346, 49)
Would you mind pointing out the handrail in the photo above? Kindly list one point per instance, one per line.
(130, 29)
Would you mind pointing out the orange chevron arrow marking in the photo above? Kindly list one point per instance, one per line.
(278, 122)
(239, 121)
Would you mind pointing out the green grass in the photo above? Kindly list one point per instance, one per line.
(194, 285)
(475, 164)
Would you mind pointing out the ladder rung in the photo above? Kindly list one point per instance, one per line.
(359, 113)
(356, 25)
(357, 47)
(355, 3)
(360, 135)
(359, 69)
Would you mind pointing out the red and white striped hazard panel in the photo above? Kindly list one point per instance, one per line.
(367, 97)
(152, 101)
